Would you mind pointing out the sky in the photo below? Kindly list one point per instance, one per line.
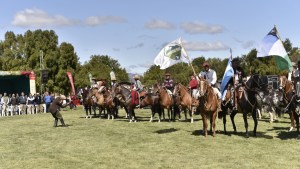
(134, 31)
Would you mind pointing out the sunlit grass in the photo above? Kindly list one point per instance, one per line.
(30, 141)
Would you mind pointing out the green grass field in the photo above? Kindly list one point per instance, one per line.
(30, 141)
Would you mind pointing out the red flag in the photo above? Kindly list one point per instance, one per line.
(71, 81)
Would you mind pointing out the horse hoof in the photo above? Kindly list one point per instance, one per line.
(130, 121)
(135, 121)
(291, 129)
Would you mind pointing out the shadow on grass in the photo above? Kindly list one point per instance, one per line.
(165, 131)
(285, 135)
(232, 133)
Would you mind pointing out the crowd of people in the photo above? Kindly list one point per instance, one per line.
(20, 104)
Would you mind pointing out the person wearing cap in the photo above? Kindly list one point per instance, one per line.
(211, 76)
(168, 83)
(54, 110)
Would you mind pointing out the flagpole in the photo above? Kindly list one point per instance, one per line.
(190, 63)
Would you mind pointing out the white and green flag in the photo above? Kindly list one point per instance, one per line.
(171, 54)
(271, 45)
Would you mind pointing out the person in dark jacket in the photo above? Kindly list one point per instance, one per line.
(54, 110)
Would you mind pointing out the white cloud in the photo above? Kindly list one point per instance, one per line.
(248, 44)
(159, 24)
(205, 46)
(102, 20)
(39, 18)
(197, 28)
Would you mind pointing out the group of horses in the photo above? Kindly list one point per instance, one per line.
(248, 94)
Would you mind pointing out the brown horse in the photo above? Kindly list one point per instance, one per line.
(104, 100)
(208, 105)
(166, 101)
(287, 87)
(185, 100)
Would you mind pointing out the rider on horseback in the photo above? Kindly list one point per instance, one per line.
(211, 76)
(168, 83)
(236, 81)
(137, 89)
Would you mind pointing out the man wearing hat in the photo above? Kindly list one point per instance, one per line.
(168, 83)
(54, 110)
(211, 76)
(136, 90)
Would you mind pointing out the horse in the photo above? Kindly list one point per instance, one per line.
(123, 94)
(104, 100)
(87, 102)
(208, 102)
(153, 101)
(166, 101)
(289, 100)
(247, 102)
(185, 100)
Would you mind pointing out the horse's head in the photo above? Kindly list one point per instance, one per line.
(285, 85)
(253, 82)
(155, 88)
(203, 86)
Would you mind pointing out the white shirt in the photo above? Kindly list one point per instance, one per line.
(210, 75)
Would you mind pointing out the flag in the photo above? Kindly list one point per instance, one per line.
(228, 74)
(171, 54)
(71, 81)
(271, 45)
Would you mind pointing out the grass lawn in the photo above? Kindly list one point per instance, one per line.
(30, 141)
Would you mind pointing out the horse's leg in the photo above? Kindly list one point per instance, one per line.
(159, 111)
(205, 125)
(191, 112)
(271, 116)
(152, 113)
(292, 120)
(232, 114)
(246, 123)
(224, 122)
(255, 122)
(214, 123)
(133, 115)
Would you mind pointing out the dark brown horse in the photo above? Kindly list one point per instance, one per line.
(123, 94)
(208, 105)
(289, 100)
(153, 101)
(166, 101)
(247, 102)
(185, 100)
(87, 102)
(227, 107)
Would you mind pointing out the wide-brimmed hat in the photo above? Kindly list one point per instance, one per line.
(205, 64)
(136, 77)
(235, 60)
(63, 97)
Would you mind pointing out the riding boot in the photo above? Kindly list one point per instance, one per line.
(62, 123)
(55, 123)
(219, 105)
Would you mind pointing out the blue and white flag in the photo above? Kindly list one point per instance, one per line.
(228, 74)
(171, 54)
(271, 45)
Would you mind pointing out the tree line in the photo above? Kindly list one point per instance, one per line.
(24, 51)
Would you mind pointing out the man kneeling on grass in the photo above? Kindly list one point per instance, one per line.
(54, 109)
